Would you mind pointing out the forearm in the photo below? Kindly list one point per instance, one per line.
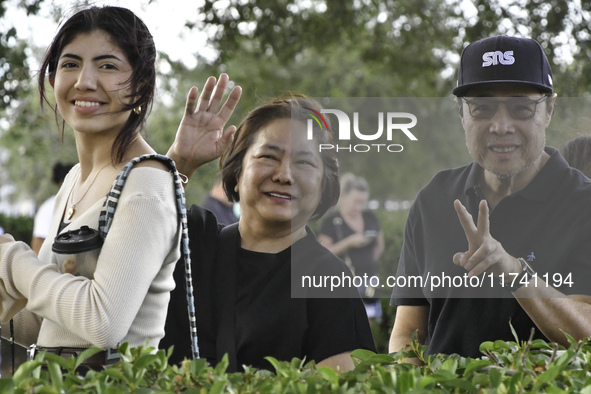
(379, 248)
(16, 260)
(340, 247)
(555, 313)
(400, 339)
(340, 362)
(409, 319)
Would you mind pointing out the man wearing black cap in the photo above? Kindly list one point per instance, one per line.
(506, 240)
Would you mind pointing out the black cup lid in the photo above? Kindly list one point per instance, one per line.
(77, 241)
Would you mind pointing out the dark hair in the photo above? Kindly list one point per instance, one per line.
(60, 170)
(284, 107)
(577, 152)
(130, 34)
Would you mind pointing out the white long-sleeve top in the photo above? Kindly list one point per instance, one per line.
(118, 295)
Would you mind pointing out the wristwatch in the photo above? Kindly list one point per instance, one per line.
(527, 272)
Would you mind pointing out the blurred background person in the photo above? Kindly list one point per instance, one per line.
(577, 153)
(353, 233)
(45, 211)
(217, 202)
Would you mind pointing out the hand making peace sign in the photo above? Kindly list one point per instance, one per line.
(484, 252)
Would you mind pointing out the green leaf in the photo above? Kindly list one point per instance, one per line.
(573, 342)
(55, 372)
(502, 345)
(514, 333)
(47, 390)
(375, 360)
(198, 365)
(540, 344)
(436, 378)
(475, 366)
(362, 354)
(70, 363)
(450, 365)
(26, 369)
(547, 377)
(7, 385)
(146, 360)
(222, 366)
(275, 363)
(484, 346)
(556, 390)
(496, 377)
(125, 351)
(86, 354)
(63, 362)
(329, 374)
(405, 382)
(298, 363)
(465, 385)
(115, 374)
(218, 387)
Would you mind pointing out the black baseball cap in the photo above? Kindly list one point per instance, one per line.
(504, 59)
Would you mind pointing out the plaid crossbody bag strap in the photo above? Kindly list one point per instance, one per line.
(108, 211)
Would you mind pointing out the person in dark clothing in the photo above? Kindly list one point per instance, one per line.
(524, 218)
(217, 202)
(250, 302)
(353, 233)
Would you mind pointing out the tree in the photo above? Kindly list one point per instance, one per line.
(393, 48)
(335, 48)
(14, 71)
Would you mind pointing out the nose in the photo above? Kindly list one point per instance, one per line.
(86, 79)
(283, 173)
(502, 122)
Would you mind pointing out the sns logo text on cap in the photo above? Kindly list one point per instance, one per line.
(494, 58)
(504, 59)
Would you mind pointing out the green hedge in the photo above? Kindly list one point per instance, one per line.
(20, 227)
(506, 367)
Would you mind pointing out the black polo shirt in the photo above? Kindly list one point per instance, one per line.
(547, 223)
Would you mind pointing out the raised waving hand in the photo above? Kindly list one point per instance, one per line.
(201, 137)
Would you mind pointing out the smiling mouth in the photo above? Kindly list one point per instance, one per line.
(283, 196)
(503, 149)
(86, 103)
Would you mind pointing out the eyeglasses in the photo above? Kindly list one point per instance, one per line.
(519, 108)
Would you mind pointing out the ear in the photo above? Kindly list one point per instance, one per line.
(51, 78)
(550, 108)
(460, 105)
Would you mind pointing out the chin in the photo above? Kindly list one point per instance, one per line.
(510, 173)
(278, 220)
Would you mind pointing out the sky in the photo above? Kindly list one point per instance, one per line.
(164, 18)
